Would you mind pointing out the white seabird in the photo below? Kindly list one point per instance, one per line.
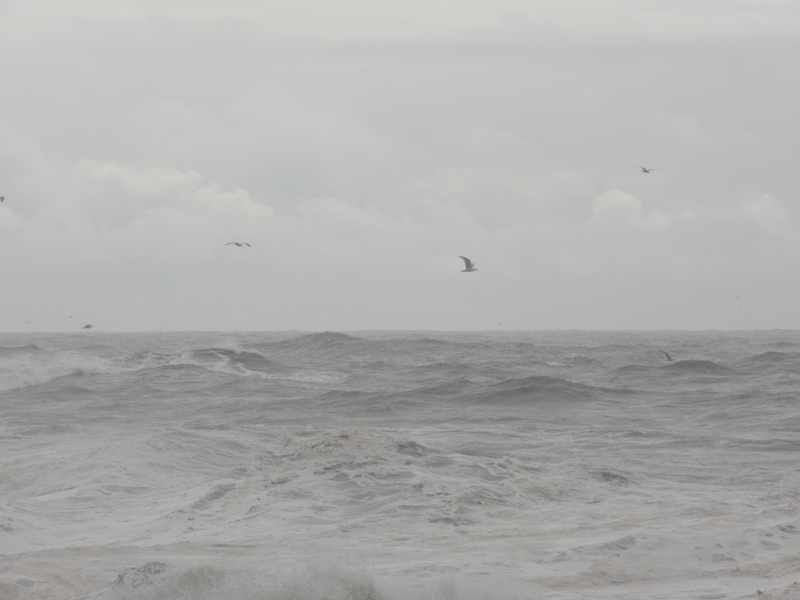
(646, 170)
(469, 264)
(88, 326)
(240, 244)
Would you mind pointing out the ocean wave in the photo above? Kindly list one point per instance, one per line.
(454, 387)
(321, 578)
(373, 477)
(539, 388)
(15, 350)
(242, 361)
(426, 341)
(234, 362)
(771, 357)
(359, 444)
(698, 366)
(162, 581)
(633, 370)
(440, 369)
(26, 366)
(96, 347)
(319, 342)
(311, 376)
(27, 370)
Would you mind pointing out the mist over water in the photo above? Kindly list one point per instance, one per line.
(395, 465)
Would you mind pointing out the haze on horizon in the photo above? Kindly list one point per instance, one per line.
(361, 147)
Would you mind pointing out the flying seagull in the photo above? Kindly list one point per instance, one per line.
(2, 198)
(666, 354)
(470, 266)
(240, 244)
(89, 326)
(646, 170)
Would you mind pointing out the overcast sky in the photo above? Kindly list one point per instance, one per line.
(361, 146)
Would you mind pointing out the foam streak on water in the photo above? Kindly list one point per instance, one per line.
(391, 466)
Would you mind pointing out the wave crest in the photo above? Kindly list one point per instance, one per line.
(538, 388)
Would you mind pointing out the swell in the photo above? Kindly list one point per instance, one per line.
(28, 370)
(772, 362)
(321, 343)
(331, 345)
(236, 362)
(537, 389)
(28, 366)
(16, 350)
(462, 391)
(698, 366)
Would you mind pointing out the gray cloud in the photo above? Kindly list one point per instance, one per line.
(361, 150)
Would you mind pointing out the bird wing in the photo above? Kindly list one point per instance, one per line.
(467, 261)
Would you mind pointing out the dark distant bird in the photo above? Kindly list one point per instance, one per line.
(665, 354)
(646, 170)
(240, 244)
(89, 326)
(470, 266)
(2, 198)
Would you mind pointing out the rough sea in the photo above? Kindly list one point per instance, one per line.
(553, 465)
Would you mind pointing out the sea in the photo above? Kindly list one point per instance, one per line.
(395, 465)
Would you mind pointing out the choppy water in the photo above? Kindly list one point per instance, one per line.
(394, 466)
